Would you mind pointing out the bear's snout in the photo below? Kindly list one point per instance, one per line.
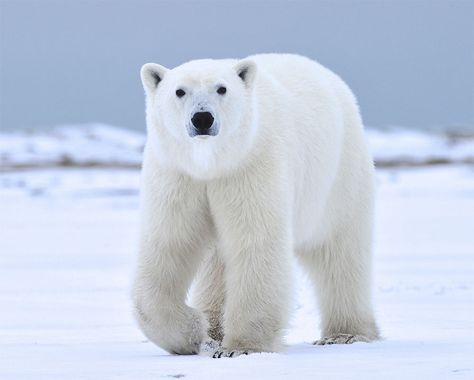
(202, 121)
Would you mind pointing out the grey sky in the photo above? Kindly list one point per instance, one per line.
(410, 63)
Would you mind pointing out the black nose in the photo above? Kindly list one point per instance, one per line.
(202, 121)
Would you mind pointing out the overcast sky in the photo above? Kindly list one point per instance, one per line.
(410, 63)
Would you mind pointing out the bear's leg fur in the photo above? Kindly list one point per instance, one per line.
(175, 233)
(251, 218)
(209, 296)
(341, 272)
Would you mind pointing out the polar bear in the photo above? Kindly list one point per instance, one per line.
(247, 164)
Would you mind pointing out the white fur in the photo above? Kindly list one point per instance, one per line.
(288, 173)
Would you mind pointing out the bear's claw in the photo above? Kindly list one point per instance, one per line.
(341, 339)
(228, 354)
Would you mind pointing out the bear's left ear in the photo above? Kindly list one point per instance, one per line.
(246, 70)
(152, 74)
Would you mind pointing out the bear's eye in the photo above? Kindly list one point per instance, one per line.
(180, 93)
(221, 90)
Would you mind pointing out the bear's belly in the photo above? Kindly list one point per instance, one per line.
(308, 224)
(311, 221)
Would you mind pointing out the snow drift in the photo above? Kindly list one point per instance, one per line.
(98, 145)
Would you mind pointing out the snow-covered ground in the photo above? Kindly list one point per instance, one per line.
(68, 240)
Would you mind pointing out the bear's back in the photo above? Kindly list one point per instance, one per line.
(297, 74)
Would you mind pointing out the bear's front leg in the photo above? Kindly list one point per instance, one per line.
(253, 226)
(175, 228)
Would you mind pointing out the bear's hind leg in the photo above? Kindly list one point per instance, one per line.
(209, 293)
(340, 270)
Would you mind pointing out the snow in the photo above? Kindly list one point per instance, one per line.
(67, 251)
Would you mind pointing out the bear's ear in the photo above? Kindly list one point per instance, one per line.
(246, 70)
(152, 74)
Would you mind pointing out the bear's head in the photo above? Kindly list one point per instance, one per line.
(201, 116)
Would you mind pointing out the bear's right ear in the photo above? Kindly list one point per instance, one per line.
(152, 74)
